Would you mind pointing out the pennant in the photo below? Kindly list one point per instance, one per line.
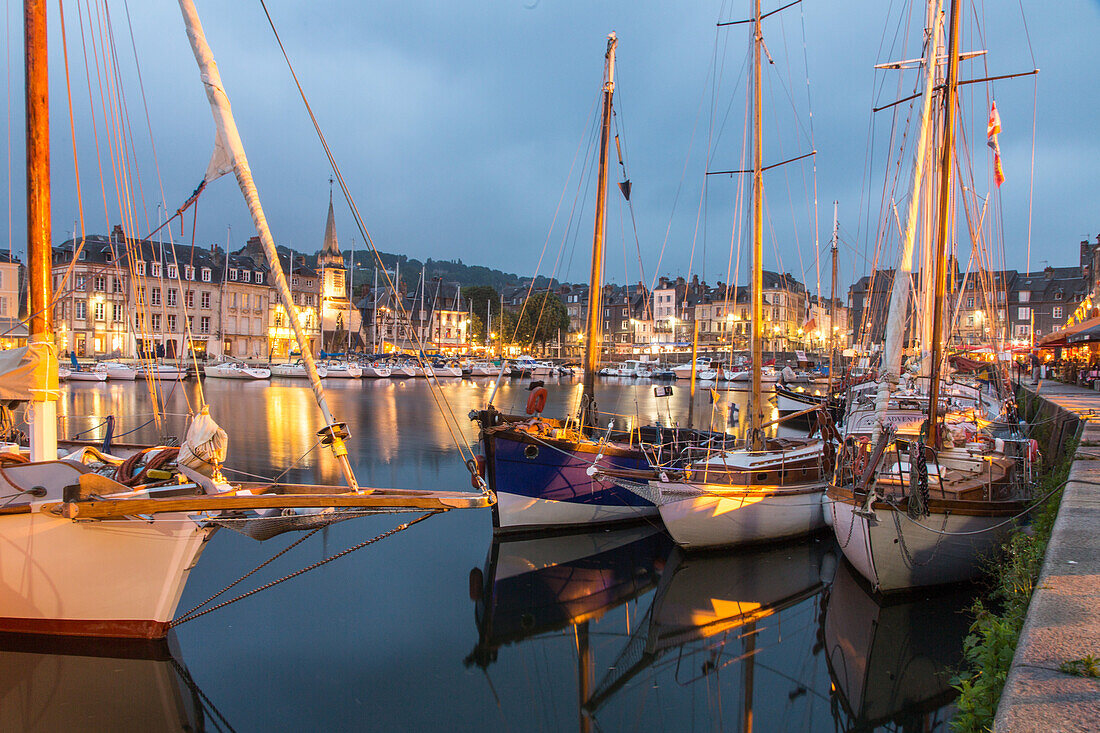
(992, 129)
(714, 396)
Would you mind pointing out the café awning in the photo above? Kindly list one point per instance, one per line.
(1061, 338)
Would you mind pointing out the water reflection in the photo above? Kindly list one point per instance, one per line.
(890, 661)
(49, 684)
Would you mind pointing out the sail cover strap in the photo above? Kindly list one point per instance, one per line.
(28, 373)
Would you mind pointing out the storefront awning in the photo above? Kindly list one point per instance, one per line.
(1061, 338)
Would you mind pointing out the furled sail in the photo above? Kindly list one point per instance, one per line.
(28, 373)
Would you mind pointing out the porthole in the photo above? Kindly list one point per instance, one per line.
(531, 452)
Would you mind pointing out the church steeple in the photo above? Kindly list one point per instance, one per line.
(330, 250)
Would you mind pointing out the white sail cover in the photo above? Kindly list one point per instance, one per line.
(28, 373)
(205, 445)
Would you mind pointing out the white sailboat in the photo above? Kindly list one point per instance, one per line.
(297, 370)
(236, 370)
(94, 545)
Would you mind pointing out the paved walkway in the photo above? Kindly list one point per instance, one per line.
(1063, 621)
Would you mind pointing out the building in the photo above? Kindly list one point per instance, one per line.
(13, 332)
(1040, 303)
(341, 324)
(246, 304)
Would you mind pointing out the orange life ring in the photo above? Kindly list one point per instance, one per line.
(477, 471)
(537, 401)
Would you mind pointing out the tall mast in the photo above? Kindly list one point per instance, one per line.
(756, 408)
(890, 369)
(43, 425)
(333, 434)
(594, 340)
(832, 302)
(943, 230)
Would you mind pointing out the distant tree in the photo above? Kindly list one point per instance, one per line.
(479, 297)
(475, 329)
(544, 317)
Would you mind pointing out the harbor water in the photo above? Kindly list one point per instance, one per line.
(441, 627)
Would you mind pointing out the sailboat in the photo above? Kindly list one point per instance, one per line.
(770, 489)
(927, 487)
(97, 544)
(547, 473)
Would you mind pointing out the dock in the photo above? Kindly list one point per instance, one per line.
(1063, 620)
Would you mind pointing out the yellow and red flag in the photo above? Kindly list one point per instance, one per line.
(992, 129)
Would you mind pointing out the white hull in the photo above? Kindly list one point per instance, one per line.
(373, 372)
(483, 372)
(524, 511)
(236, 371)
(895, 553)
(82, 376)
(715, 515)
(402, 372)
(166, 373)
(121, 372)
(443, 372)
(344, 371)
(296, 371)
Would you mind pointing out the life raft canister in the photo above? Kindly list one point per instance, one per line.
(536, 402)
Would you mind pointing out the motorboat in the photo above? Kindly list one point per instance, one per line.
(236, 370)
(116, 370)
(87, 373)
(683, 371)
(297, 370)
(376, 371)
(165, 372)
(343, 370)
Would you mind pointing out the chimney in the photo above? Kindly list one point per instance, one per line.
(117, 235)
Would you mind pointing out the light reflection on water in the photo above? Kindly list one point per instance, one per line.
(441, 628)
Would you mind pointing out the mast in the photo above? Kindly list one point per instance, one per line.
(756, 407)
(832, 302)
(890, 369)
(333, 433)
(943, 231)
(42, 411)
(594, 340)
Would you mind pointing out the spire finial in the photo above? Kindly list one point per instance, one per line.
(330, 189)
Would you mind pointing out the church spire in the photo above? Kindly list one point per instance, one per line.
(330, 249)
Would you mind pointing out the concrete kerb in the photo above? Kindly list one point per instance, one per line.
(1063, 619)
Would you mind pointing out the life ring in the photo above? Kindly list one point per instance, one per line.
(537, 401)
(477, 471)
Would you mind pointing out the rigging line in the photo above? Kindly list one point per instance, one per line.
(7, 110)
(145, 104)
(91, 107)
(76, 163)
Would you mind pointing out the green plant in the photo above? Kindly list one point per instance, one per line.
(1087, 666)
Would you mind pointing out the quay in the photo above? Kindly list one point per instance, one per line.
(1063, 619)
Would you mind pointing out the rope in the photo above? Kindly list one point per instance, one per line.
(399, 528)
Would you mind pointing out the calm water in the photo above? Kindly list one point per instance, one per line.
(439, 627)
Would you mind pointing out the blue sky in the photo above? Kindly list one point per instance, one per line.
(456, 125)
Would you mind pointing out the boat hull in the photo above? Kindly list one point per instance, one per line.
(222, 372)
(107, 578)
(542, 484)
(373, 372)
(80, 376)
(718, 515)
(895, 553)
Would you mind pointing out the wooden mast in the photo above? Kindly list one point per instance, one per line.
(832, 303)
(594, 340)
(42, 411)
(943, 212)
(756, 409)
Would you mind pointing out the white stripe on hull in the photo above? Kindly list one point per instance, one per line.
(894, 553)
(523, 512)
(54, 569)
(718, 517)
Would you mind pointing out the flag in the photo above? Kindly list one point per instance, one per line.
(992, 129)
(714, 396)
(809, 325)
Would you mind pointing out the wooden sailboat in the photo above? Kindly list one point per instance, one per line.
(914, 503)
(770, 489)
(95, 545)
(539, 467)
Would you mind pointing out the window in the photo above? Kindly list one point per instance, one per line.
(204, 324)
(189, 299)
(1000, 296)
(81, 282)
(1021, 330)
(244, 300)
(1059, 295)
(232, 275)
(1057, 312)
(969, 302)
(116, 286)
(309, 283)
(118, 314)
(623, 327)
(154, 296)
(231, 324)
(206, 274)
(278, 320)
(173, 272)
(246, 275)
(141, 295)
(259, 278)
(1023, 313)
(156, 268)
(205, 299)
(173, 296)
(154, 320)
(191, 324)
(1024, 296)
(294, 281)
(970, 320)
(81, 310)
(139, 321)
(3, 306)
(172, 322)
(189, 272)
(139, 267)
(100, 283)
(98, 309)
